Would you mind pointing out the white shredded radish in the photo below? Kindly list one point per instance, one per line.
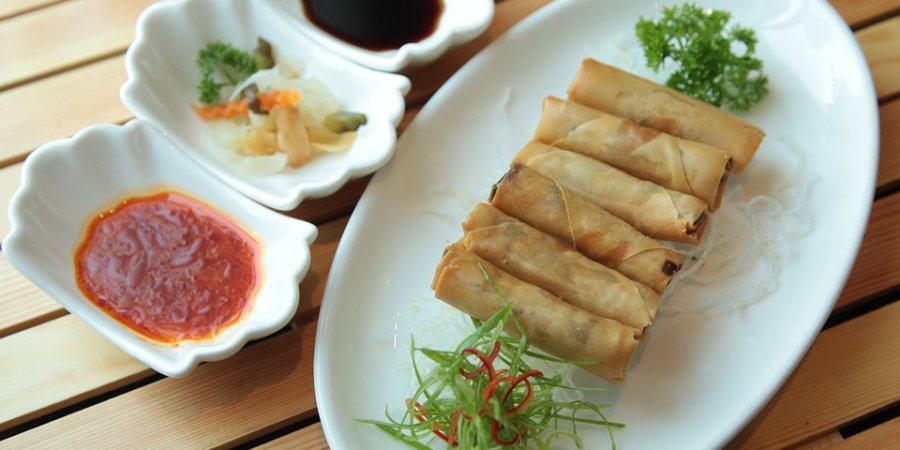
(740, 260)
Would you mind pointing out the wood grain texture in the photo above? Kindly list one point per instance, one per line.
(858, 13)
(312, 288)
(851, 370)
(70, 34)
(10, 8)
(59, 106)
(22, 303)
(889, 160)
(10, 177)
(877, 266)
(875, 438)
(821, 443)
(308, 438)
(57, 364)
(221, 404)
(881, 45)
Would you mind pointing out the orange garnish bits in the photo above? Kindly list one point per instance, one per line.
(228, 110)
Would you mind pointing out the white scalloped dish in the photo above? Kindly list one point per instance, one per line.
(163, 79)
(67, 183)
(460, 21)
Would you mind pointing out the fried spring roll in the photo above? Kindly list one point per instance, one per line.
(548, 323)
(597, 234)
(544, 261)
(685, 166)
(623, 94)
(658, 212)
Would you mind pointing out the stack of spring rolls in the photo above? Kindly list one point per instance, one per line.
(571, 234)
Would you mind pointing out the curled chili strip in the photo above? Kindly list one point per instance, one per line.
(523, 378)
(423, 416)
(487, 362)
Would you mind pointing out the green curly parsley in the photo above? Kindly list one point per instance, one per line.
(713, 64)
(222, 65)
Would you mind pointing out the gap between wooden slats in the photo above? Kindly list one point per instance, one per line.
(889, 158)
(9, 8)
(45, 354)
(63, 36)
(308, 438)
(861, 13)
(59, 106)
(877, 267)
(879, 43)
(23, 304)
(875, 438)
(221, 404)
(851, 370)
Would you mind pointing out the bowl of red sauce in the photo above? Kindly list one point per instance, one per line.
(153, 251)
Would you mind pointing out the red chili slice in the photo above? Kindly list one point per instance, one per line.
(487, 362)
(520, 379)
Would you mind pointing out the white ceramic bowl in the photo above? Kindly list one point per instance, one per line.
(163, 75)
(66, 183)
(460, 21)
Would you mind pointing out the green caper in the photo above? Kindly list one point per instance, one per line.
(263, 54)
(342, 121)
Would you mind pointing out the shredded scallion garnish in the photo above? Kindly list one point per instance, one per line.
(484, 395)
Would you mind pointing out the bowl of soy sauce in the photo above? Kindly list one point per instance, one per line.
(390, 35)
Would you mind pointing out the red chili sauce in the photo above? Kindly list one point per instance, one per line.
(169, 267)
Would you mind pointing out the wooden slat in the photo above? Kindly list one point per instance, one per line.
(308, 438)
(14, 7)
(22, 303)
(851, 370)
(822, 443)
(881, 45)
(10, 177)
(57, 364)
(322, 251)
(65, 35)
(876, 438)
(877, 266)
(59, 106)
(859, 13)
(260, 389)
(889, 160)
(38, 376)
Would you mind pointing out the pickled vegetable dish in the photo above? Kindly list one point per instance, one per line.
(263, 115)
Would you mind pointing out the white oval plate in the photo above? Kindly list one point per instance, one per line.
(460, 22)
(698, 377)
(162, 86)
(67, 183)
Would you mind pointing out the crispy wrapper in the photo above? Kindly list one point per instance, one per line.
(685, 166)
(658, 212)
(544, 261)
(597, 234)
(548, 322)
(653, 105)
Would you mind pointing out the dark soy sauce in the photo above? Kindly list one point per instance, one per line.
(375, 24)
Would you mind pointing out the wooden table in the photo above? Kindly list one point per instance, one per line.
(63, 386)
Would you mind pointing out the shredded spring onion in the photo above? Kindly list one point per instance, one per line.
(484, 394)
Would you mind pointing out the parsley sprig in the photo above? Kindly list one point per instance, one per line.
(714, 63)
(222, 65)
